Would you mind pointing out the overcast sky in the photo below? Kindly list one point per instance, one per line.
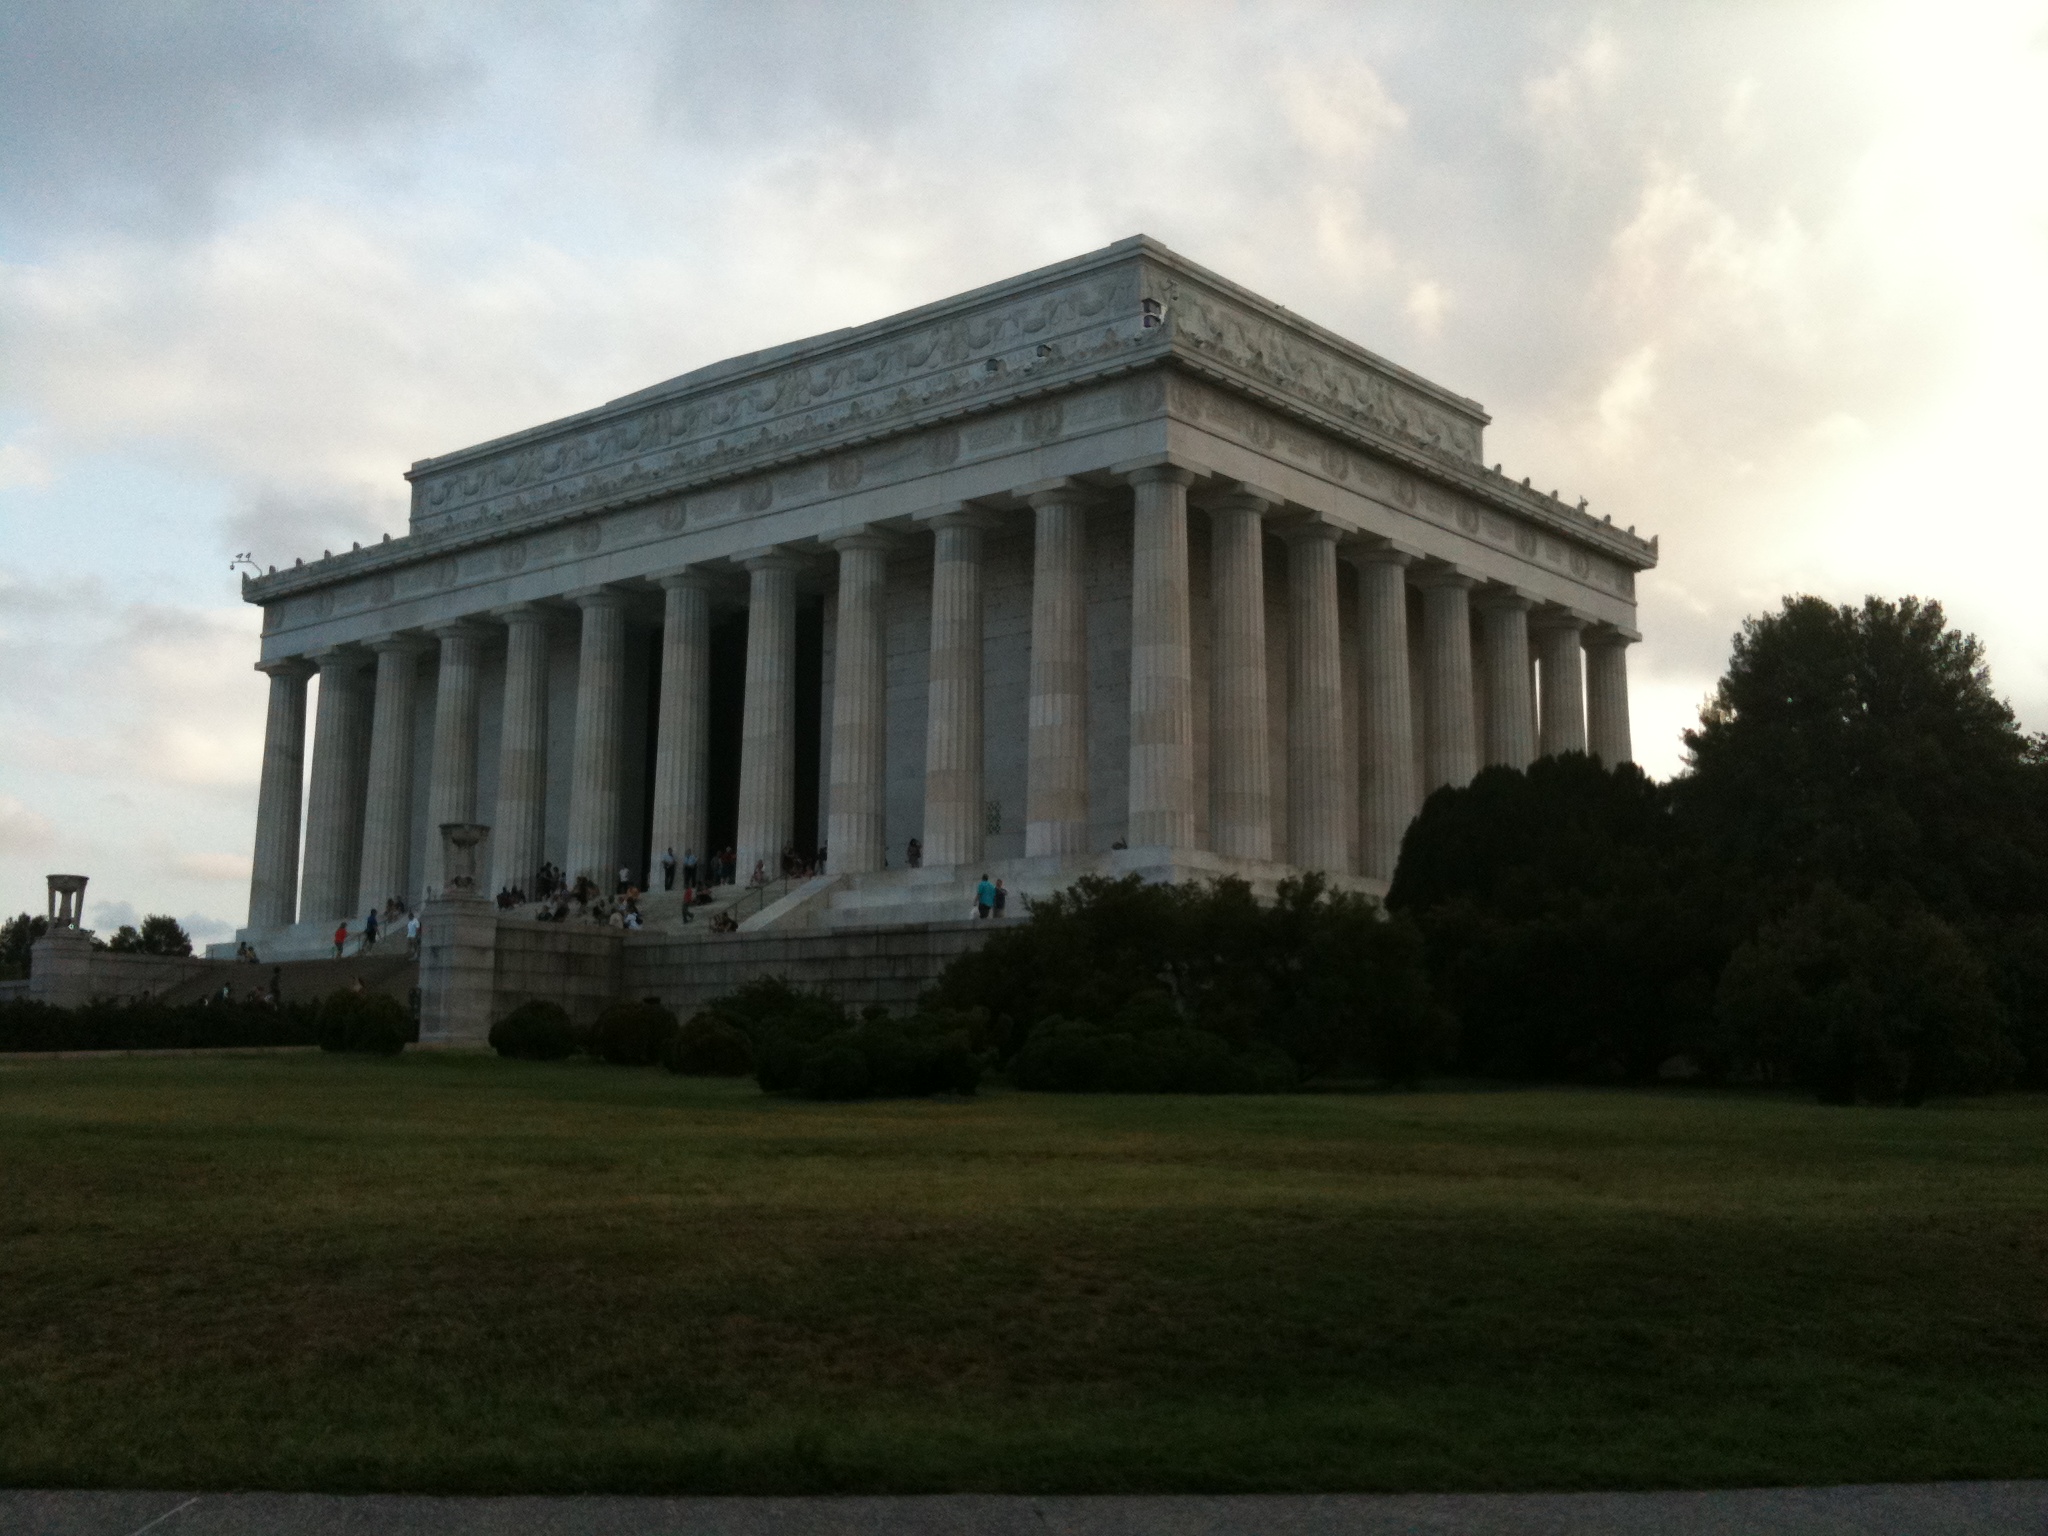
(1767, 280)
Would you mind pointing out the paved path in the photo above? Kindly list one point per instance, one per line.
(1906, 1509)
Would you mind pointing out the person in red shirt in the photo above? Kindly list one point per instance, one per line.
(340, 938)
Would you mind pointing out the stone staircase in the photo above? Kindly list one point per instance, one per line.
(304, 981)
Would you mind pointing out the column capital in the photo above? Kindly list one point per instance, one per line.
(774, 558)
(860, 536)
(1502, 600)
(287, 666)
(957, 514)
(1556, 621)
(685, 576)
(1164, 472)
(1607, 637)
(524, 613)
(1376, 552)
(341, 658)
(459, 629)
(588, 598)
(1060, 491)
(1244, 498)
(1441, 576)
(400, 642)
(1308, 530)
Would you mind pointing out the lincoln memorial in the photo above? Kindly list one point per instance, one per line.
(1114, 566)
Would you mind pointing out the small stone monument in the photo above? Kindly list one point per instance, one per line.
(60, 962)
(67, 900)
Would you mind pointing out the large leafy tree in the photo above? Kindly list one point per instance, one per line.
(160, 934)
(1865, 746)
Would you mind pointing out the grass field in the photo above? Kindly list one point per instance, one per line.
(451, 1273)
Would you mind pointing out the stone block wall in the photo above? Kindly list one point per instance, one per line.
(574, 964)
(890, 966)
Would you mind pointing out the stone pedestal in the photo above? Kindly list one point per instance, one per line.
(458, 947)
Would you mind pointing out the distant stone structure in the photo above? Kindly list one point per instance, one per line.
(1113, 566)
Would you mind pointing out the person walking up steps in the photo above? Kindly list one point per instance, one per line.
(984, 898)
(340, 938)
(668, 870)
(412, 936)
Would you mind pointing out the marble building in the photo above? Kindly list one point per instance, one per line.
(1113, 565)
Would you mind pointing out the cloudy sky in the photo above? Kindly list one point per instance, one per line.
(1765, 279)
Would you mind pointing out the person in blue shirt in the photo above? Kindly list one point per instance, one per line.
(984, 897)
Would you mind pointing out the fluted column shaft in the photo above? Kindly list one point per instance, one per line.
(768, 724)
(597, 761)
(387, 805)
(1563, 725)
(952, 757)
(274, 872)
(1318, 798)
(1056, 793)
(1240, 750)
(520, 820)
(334, 819)
(682, 728)
(1387, 790)
(1510, 706)
(1162, 765)
(451, 782)
(1450, 749)
(1607, 733)
(856, 796)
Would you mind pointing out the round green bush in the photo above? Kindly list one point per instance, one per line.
(535, 1031)
(365, 1022)
(709, 1047)
(632, 1034)
(838, 1073)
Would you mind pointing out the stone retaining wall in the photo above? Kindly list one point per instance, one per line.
(890, 966)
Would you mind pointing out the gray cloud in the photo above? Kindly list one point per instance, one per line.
(132, 115)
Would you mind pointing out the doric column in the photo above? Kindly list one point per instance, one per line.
(682, 728)
(1387, 792)
(387, 804)
(1510, 709)
(451, 783)
(1162, 766)
(953, 807)
(860, 676)
(1240, 755)
(768, 727)
(334, 818)
(1318, 798)
(1607, 733)
(1563, 726)
(1056, 794)
(274, 873)
(1449, 747)
(597, 761)
(520, 820)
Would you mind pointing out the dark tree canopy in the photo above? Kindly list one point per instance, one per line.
(160, 934)
(1848, 889)
(1863, 746)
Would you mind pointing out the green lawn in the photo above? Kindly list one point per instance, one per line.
(450, 1273)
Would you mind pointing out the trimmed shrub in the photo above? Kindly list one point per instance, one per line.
(632, 1034)
(1074, 1056)
(709, 1047)
(1878, 1003)
(28, 1025)
(367, 1023)
(535, 1031)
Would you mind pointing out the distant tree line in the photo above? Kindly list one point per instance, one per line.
(159, 934)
